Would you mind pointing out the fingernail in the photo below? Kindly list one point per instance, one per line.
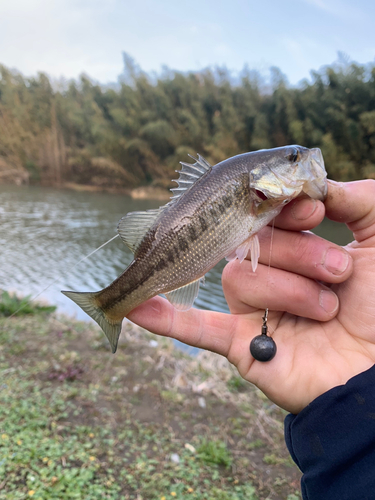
(336, 261)
(303, 209)
(328, 301)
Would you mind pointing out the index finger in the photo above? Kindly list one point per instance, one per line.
(209, 330)
(300, 214)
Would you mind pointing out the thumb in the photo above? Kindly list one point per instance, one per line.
(354, 204)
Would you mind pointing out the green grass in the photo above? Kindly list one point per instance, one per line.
(43, 457)
(12, 304)
(236, 383)
(39, 458)
(77, 422)
(214, 452)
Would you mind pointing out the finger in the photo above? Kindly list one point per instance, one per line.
(300, 215)
(204, 329)
(226, 334)
(305, 254)
(353, 203)
(279, 290)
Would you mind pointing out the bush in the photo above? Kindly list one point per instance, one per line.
(10, 305)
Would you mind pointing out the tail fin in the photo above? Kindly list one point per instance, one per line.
(86, 301)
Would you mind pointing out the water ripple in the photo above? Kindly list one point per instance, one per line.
(45, 232)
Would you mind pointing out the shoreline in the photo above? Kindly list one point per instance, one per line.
(138, 193)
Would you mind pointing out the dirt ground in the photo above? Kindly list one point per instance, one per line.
(166, 425)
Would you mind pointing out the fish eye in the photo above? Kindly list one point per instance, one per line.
(294, 156)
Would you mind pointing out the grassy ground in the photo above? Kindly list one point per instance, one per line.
(149, 422)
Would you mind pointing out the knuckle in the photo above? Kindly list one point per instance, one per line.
(300, 294)
(301, 248)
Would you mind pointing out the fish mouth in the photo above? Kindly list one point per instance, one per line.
(261, 195)
(277, 185)
(316, 185)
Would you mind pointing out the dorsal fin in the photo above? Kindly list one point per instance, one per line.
(133, 227)
(189, 174)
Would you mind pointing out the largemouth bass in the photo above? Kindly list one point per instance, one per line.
(215, 212)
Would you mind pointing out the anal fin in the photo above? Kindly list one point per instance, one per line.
(183, 298)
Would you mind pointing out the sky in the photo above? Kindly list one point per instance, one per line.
(65, 38)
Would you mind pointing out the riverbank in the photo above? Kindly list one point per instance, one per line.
(15, 174)
(149, 422)
(20, 177)
(139, 193)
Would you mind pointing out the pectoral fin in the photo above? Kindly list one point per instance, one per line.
(252, 245)
(183, 298)
(254, 251)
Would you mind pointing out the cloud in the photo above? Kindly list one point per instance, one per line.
(68, 37)
(59, 37)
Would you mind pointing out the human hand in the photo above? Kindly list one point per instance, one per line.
(325, 334)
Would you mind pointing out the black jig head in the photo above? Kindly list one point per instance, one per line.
(263, 347)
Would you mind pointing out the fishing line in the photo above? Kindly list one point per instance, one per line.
(269, 262)
(60, 277)
(269, 267)
(262, 347)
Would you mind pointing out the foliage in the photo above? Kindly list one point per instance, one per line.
(236, 383)
(36, 458)
(12, 304)
(214, 452)
(85, 435)
(136, 131)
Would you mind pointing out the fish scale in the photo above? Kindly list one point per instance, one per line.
(215, 213)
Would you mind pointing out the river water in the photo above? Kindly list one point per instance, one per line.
(44, 232)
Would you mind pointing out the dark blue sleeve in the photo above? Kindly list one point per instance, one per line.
(333, 442)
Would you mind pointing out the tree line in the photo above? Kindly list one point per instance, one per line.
(136, 132)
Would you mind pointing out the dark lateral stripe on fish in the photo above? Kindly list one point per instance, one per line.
(228, 201)
(170, 256)
(192, 233)
(111, 302)
(203, 223)
(183, 244)
(145, 245)
(162, 264)
(176, 251)
(214, 216)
